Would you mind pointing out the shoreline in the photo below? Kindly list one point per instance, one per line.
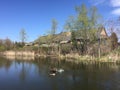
(69, 57)
(79, 58)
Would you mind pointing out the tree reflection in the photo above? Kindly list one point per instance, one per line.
(77, 76)
(23, 72)
(24, 68)
(5, 63)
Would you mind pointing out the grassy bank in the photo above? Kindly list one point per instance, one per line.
(113, 56)
(77, 58)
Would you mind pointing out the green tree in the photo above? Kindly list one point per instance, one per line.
(94, 17)
(82, 16)
(53, 31)
(51, 35)
(83, 22)
(87, 21)
(70, 24)
(73, 39)
(94, 23)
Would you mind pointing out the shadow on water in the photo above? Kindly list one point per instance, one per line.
(5, 63)
(95, 76)
(34, 75)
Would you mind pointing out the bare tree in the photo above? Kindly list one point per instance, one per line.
(113, 25)
(54, 26)
(23, 36)
(113, 29)
(114, 41)
(8, 44)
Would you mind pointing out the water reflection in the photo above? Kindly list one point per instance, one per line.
(5, 63)
(34, 75)
(20, 57)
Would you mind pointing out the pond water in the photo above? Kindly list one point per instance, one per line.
(34, 75)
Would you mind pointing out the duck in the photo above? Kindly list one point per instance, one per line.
(53, 71)
(60, 70)
(52, 74)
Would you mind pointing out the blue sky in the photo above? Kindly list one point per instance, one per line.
(35, 15)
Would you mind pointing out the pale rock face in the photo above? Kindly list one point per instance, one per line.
(68, 33)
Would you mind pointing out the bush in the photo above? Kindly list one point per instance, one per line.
(66, 48)
(2, 48)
